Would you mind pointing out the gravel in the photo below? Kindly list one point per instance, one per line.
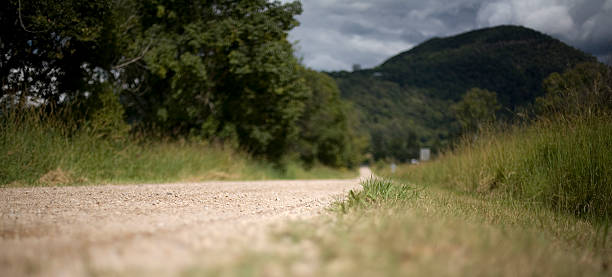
(155, 228)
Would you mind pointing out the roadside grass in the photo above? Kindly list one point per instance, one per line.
(531, 200)
(37, 150)
(563, 165)
(393, 229)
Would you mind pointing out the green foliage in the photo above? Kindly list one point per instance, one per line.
(50, 48)
(221, 70)
(324, 132)
(510, 60)
(476, 108)
(412, 93)
(395, 118)
(584, 90)
(224, 70)
(105, 115)
(563, 160)
(394, 139)
(568, 171)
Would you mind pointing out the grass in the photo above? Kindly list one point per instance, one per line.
(526, 200)
(376, 192)
(39, 150)
(530, 200)
(481, 210)
(563, 165)
(393, 229)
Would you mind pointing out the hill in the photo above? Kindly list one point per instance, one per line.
(405, 101)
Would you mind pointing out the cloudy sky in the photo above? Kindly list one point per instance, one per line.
(335, 34)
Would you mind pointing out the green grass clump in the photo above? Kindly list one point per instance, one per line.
(375, 192)
(564, 165)
(41, 149)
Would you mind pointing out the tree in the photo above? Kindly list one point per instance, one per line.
(477, 107)
(394, 139)
(325, 134)
(221, 69)
(583, 90)
(51, 50)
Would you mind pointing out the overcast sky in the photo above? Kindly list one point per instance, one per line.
(335, 34)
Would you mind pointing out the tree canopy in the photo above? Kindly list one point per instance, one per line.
(581, 91)
(327, 132)
(477, 107)
(221, 70)
(49, 49)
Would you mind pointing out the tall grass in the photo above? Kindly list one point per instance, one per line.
(564, 165)
(39, 148)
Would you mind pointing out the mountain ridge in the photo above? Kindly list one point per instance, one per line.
(414, 89)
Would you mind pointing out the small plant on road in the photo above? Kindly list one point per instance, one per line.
(375, 192)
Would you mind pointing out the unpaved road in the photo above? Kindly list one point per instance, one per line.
(152, 229)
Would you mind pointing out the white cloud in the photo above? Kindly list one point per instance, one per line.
(547, 16)
(495, 14)
(370, 45)
(322, 60)
(553, 20)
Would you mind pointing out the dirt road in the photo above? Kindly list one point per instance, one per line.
(75, 231)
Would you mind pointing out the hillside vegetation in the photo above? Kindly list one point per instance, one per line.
(406, 101)
(562, 160)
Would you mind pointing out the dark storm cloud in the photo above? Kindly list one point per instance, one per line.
(334, 34)
(595, 20)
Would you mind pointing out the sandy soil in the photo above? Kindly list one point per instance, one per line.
(154, 228)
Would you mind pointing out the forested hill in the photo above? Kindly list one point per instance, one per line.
(510, 60)
(405, 101)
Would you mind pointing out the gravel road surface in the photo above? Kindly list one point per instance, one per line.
(152, 229)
